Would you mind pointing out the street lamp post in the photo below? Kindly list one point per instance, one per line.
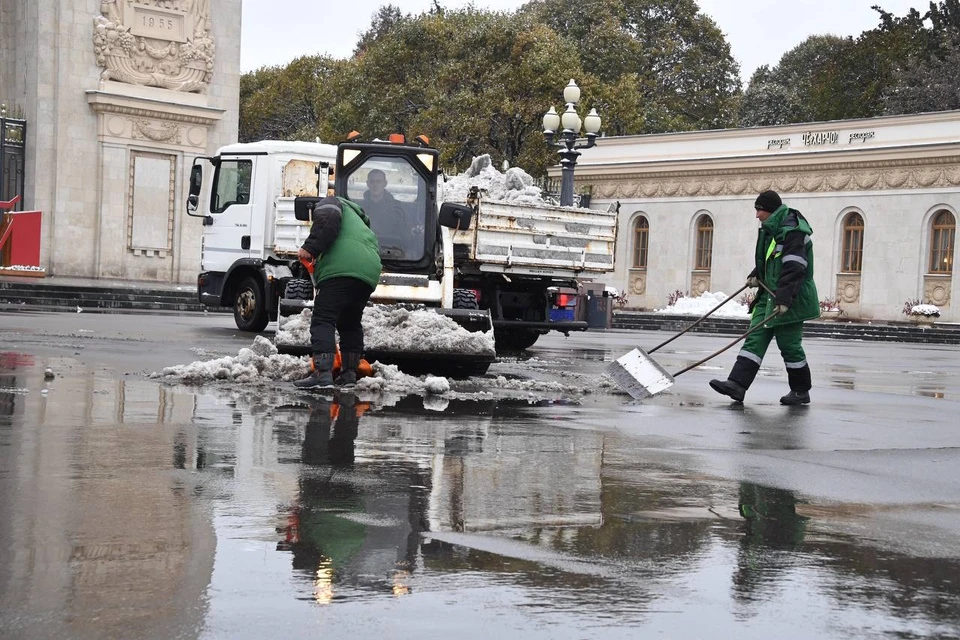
(566, 142)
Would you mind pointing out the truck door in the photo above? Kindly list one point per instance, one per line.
(226, 234)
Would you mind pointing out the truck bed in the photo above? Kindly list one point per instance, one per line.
(289, 233)
(540, 239)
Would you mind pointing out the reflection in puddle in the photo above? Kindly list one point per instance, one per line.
(134, 500)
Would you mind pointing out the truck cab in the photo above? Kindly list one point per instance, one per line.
(246, 195)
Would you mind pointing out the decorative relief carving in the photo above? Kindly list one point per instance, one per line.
(941, 172)
(699, 282)
(156, 43)
(936, 290)
(868, 179)
(927, 178)
(162, 132)
(896, 179)
(638, 282)
(811, 183)
(848, 287)
(838, 182)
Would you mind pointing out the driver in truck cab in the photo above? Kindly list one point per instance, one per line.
(377, 201)
(346, 257)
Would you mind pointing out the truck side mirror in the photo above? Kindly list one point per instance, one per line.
(455, 216)
(196, 180)
(303, 207)
(193, 201)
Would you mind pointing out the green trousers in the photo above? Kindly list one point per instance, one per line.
(789, 339)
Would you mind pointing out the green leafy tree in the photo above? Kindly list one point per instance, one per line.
(786, 92)
(906, 64)
(288, 102)
(676, 57)
(474, 81)
(929, 80)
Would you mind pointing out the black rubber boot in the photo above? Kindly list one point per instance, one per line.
(800, 383)
(739, 380)
(321, 376)
(729, 388)
(349, 363)
(795, 398)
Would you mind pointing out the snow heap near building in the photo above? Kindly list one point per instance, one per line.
(703, 303)
(516, 185)
(397, 329)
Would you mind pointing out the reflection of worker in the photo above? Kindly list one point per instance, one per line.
(771, 524)
(784, 264)
(342, 418)
(377, 201)
(346, 272)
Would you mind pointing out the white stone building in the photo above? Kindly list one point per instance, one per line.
(882, 195)
(119, 97)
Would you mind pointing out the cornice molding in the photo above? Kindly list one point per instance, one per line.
(904, 173)
(104, 103)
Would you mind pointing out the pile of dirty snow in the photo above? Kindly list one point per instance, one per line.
(703, 303)
(261, 363)
(397, 329)
(258, 362)
(516, 185)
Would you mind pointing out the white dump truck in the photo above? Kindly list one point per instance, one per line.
(478, 262)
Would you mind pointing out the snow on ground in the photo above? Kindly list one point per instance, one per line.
(259, 368)
(516, 185)
(700, 305)
(397, 329)
(260, 361)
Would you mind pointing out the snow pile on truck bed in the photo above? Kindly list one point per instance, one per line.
(397, 329)
(516, 185)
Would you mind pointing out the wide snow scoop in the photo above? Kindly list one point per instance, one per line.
(641, 376)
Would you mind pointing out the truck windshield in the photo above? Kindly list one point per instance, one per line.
(393, 195)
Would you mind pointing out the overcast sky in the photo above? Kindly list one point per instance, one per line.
(759, 31)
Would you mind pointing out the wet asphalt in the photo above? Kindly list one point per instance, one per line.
(138, 508)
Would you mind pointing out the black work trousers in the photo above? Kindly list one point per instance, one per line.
(339, 306)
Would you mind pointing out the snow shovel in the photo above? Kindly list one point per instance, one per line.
(641, 376)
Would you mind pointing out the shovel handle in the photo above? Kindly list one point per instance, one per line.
(744, 335)
(704, 317)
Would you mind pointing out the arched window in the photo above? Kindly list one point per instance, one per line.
(704, 243)
(641, 238)
(941, 242)
(852, 244)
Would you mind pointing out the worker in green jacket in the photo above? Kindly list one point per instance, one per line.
(346, 257)
(784, 264)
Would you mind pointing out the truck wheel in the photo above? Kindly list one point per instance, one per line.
(298, 289)
(465, 299)
(250, 306)
(514, 340)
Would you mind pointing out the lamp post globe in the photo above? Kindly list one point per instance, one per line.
(563, 131)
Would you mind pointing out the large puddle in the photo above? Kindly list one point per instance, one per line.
(135, 508)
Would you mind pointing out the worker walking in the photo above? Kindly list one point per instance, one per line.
(784, 264)
(347, 270)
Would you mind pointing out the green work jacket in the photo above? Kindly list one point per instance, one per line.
(784, 262)
(354, 253)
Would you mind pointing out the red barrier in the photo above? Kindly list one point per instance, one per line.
(20, 239)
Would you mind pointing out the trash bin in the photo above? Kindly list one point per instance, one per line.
(599, 310)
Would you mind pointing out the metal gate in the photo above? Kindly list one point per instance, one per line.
(12, 144)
